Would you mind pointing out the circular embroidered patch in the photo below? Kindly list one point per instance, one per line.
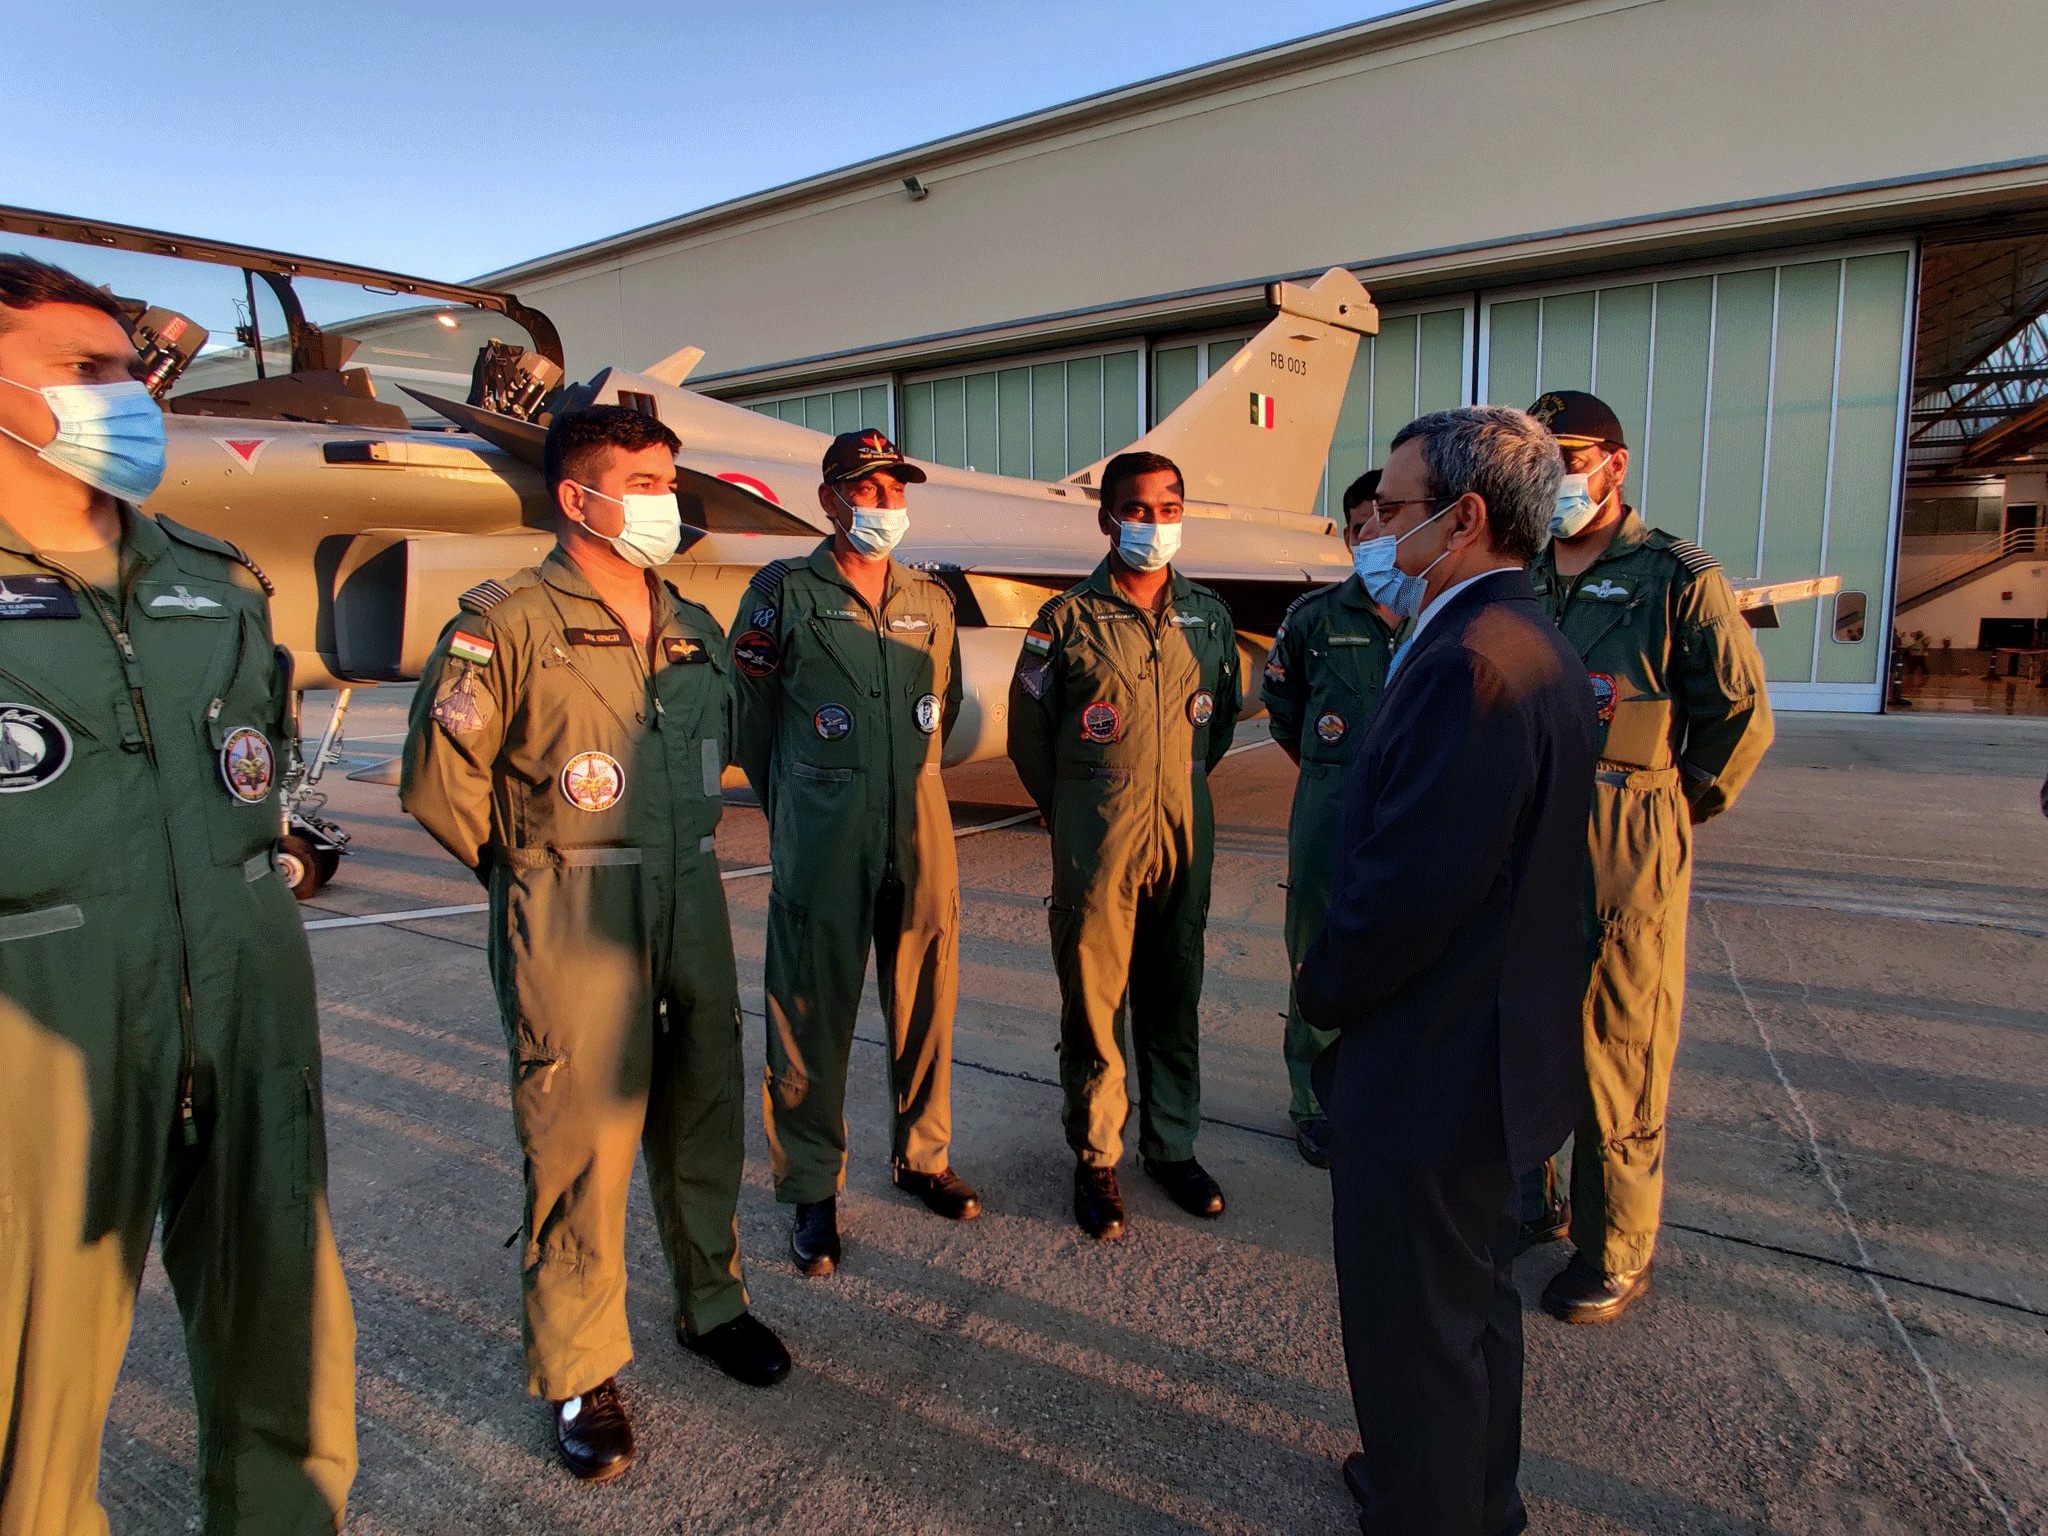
(1603, 694)
(832, 722)
(756, 654)
(593, 781)
(1100, 722)
(1202, 707)
(34, 748)
(1330, 728)
(928, 713)
(248, 766)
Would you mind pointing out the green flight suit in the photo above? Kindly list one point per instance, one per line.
(1321, 689)
(840, 716)
(579, 780)
(1685, 719)
(1117, 719)
(163, 1052)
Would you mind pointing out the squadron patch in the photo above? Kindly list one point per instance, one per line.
(1032, 680)
(1202, 707)
(248, 766)
(1330, 728)
(762, 617)
(458, 707)
(683, 651)
(593, 781)
(756, 654)
(1603, 695)
(832, 722)
(928, 713)
(34, 748)
(36, 597)
(1101, 723)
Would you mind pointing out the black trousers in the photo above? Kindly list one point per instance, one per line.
(1432, 1340)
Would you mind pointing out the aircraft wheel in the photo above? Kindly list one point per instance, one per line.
(325, 862)
(299, 865)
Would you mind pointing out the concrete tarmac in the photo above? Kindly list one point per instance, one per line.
(1848, 1330)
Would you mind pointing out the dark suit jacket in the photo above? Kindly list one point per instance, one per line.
(1454, 960)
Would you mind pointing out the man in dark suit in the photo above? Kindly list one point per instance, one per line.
(1453, 965)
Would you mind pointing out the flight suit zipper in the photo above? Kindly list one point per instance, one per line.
(131, 673)
(889, 870)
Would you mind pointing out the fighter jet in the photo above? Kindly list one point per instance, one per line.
(340, 462)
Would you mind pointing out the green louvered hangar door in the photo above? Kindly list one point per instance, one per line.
(1763, 404)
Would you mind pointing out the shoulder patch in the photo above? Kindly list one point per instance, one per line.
(1693, 558)
(214, 546)
(485, 596)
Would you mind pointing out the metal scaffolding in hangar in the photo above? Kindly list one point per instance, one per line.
(1980, 392)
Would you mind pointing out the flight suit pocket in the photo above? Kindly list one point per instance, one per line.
(297, 1090)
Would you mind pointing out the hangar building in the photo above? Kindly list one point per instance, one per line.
(1800, 245)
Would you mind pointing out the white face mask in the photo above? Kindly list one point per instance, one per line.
(653, 531)
(1147, 546)
(875, 531)
(111, 436)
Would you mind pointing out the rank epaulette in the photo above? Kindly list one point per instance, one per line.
(1693, 558)
(769, 577)
(217, 546)
(484, 596)
(1312, 592)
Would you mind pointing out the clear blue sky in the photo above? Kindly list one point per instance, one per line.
(449, 137)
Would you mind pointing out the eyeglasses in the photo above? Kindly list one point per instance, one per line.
(1383, 504)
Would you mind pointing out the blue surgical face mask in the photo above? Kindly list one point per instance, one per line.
(111, 436)
(1386, 583)
(1147, 546)
(875, 531)
(1575, 504)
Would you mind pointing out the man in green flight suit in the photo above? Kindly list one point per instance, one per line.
(1685, 719)
(566, 744)
(846, 680)
(1321, 687)
(156, 995)
(1123, 702)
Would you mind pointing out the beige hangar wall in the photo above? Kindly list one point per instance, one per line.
(1470, 125)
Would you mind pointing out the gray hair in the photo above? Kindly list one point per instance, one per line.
(1503, 456)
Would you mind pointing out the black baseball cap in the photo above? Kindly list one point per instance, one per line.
(1577, 419)
(868, 452)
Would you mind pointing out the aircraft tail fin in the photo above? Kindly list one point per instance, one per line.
(1258, 432)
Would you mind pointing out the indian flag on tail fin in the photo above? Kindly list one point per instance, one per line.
(1263, 411)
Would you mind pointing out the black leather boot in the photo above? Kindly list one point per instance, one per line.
(1098, 1203)
(814, 1240)
(745, 1348)
(1190, 1186)
(593, 1435)
(945, 1192)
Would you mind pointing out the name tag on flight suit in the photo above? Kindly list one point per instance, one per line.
(597, 637)
(36, 597)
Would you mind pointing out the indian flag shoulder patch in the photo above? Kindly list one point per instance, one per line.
(1038, 642)
(1263, 411)
(469, 648)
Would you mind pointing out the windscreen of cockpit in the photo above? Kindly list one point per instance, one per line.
(400, 338)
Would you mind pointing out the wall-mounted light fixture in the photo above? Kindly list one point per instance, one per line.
(918, 190)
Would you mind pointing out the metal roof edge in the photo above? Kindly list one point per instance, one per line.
(1431, 18)
(1192, 303)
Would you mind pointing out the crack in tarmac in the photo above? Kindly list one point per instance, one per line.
(1865, 1267)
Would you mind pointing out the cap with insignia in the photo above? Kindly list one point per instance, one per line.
(854, 454)
(1578, 420)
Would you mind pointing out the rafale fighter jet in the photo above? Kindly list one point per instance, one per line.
(331, 454)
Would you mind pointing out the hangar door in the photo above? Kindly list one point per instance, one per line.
(1764, 406)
